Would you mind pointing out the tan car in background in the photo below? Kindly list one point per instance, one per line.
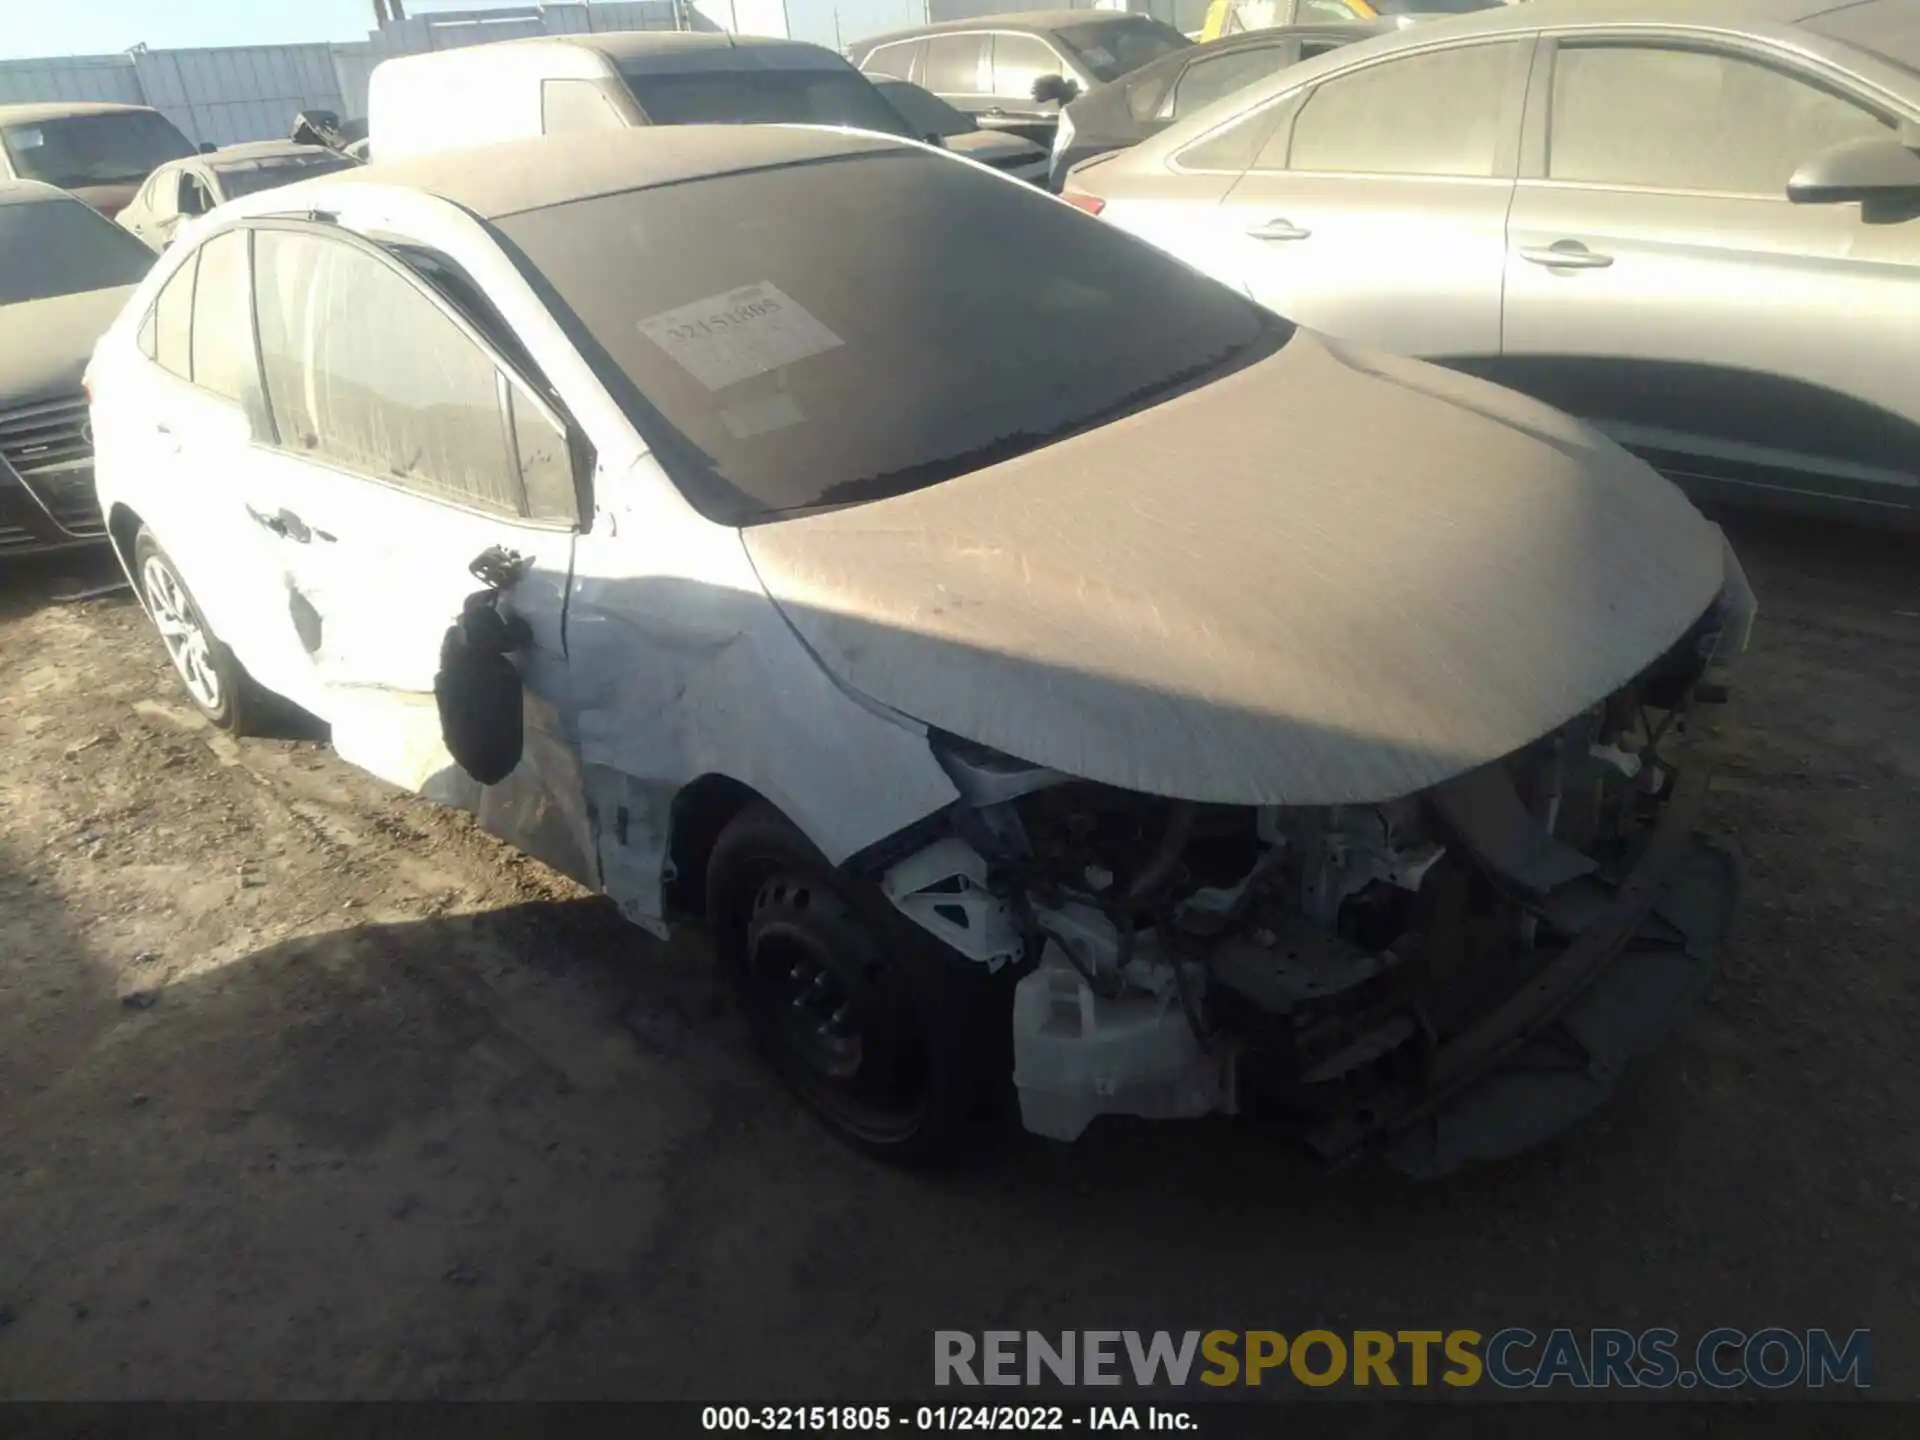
(1695, 223)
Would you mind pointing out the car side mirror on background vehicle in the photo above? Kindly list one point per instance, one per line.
(1879, 168)
(935, 139)
(1055, 87)
(207, 147)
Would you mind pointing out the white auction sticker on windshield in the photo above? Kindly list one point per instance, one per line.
(733, 337)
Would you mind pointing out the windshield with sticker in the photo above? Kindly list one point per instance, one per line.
(780, 359)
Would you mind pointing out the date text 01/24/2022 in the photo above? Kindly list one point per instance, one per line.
(984, 1419)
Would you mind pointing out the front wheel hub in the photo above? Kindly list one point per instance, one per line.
(819, 983)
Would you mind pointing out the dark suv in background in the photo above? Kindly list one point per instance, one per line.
(102, 153)
(1014, 72)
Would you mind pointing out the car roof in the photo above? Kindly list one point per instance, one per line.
(63, 109)
(250, 150)
(30, 192)
(630, 44)
(494, 181)
(1036, 22)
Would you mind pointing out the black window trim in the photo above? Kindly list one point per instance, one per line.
(1794, 64)
(505, 372)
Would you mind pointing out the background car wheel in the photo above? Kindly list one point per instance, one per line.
(215, 681)
(901, 1047)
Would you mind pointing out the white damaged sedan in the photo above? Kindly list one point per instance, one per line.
(1048, 674)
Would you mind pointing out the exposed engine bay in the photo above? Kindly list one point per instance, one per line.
(1347, 967)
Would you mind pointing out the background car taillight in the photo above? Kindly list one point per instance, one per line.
(1092, 204)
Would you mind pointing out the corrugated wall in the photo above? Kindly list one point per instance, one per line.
(240, 92)
(71, 77)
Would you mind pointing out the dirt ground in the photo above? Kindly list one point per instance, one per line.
(311, 1090)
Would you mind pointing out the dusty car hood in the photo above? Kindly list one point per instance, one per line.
(1333, 576)
(45, 344)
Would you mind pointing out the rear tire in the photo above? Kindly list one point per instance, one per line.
(213, 678)
(902, 1048)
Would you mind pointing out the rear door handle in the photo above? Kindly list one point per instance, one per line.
(1279, 229)
(1565, 255)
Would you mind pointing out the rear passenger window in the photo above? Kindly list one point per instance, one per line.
(894, 60)
(364, 372)
(569, 105)
(953, 65)
(223, 357)
(173, 322)
(1432, 114)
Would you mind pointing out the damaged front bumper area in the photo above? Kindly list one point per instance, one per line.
(1449, 977)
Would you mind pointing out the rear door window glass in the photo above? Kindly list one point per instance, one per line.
(364, 372)
(1432, 114)
(173, 321)
(894, 60)
(1690, 120)
(1241, 143)
(954, 64)
(223, 356)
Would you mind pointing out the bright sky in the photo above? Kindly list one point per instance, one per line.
(98, 27)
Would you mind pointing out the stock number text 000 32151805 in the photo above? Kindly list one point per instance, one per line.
(989, 1419)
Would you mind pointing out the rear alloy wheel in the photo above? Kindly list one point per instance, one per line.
(901, 1047)
(219, 688)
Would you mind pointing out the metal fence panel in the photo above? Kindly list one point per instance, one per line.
(252, 92)
(70, 77)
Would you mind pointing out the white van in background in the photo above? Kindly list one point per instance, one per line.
(513, 89)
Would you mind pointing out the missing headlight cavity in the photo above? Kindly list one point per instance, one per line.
(1341, 965)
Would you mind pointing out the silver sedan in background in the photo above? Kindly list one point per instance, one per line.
(1695, 223)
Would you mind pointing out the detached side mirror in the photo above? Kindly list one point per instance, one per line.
(1876, 168)
(1055, 87)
